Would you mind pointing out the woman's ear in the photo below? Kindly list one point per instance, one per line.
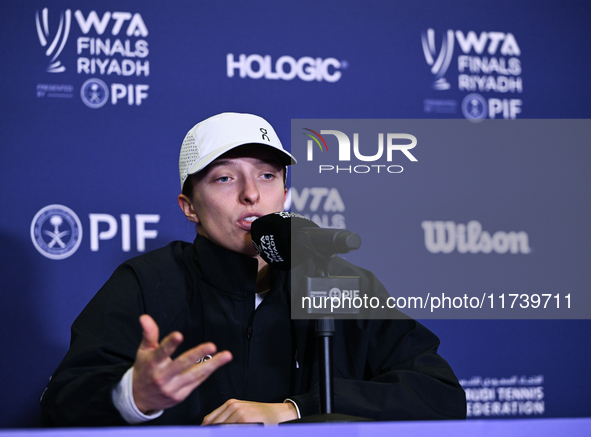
(187, 208)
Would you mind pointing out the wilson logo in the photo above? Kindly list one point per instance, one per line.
(445, 237)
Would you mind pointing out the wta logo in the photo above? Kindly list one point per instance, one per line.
(59, 39)
(438, 63)
(470, 44)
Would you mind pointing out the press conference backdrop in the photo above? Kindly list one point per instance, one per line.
(97, 97)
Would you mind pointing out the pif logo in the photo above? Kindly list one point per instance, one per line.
(393, 142)
(56, 232)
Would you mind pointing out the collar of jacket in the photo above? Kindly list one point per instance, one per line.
(228, 271)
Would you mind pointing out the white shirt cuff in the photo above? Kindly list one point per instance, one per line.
(295, 405)
(123, 400)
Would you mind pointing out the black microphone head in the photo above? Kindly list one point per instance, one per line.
(271, 237)
(328, 242)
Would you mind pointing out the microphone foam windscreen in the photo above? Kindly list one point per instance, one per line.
(271, 236)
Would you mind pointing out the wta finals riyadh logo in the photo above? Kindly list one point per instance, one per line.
(59, 40)
(56, 232)
(440, 65)
(311, 144)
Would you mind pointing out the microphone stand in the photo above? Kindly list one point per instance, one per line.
(325, 330)
(324, 334)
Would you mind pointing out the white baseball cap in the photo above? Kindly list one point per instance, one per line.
(217, 135)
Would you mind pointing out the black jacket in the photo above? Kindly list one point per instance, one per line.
(384, 369)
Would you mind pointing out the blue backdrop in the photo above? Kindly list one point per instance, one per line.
(96, 98)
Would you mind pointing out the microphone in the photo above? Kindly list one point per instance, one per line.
(286, 239)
